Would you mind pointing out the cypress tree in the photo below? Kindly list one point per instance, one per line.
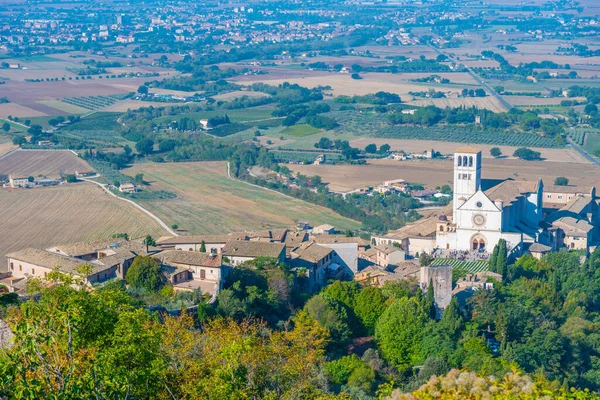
(430, 300)
(452, 320)
(502, 259)
(493, 259)
(203, 247)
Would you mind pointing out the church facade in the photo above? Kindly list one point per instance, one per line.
(485, 211)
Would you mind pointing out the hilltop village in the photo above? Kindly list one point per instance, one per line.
(520, 216)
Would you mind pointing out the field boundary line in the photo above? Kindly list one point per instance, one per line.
(151, 215)
(256, 186)
(9, 153)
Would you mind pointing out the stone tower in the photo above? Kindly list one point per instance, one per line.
(441, 275)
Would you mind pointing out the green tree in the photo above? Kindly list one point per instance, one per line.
(384, 148)
(591, 109)
(344, 292)
(6, 127)
(145, 273)
(369, 305)
(429, 304)
(452, 320)
(501, 263)
(145, 146)
(19, 140)
(527, 154)
(149, 241)
(330, 314)
(371, 148)
(495, 152)
(139, 179)
(399, 333)
(561, 181)
(143, 89)
(203, 247)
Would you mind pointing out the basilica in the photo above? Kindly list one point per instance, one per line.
(528, 215)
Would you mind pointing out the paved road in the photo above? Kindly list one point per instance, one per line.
(478, 80)
(584, 153)
(154, 217)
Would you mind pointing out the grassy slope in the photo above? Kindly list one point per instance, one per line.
(209, 202)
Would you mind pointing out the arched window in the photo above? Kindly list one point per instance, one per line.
(459, 161)
(470, 161)
(464, 161)
(441, 228)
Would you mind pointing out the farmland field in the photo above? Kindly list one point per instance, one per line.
(41, 162)
(208, 202)
(300, 130)
(65, 107)
(343, 84)
(419, 146)
(71, 213)
(6, 145)
(432, 173)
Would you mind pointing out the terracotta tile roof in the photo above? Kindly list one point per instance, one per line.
(568, 189)
(198, 239)
(194, 284)
(573, 227)
(311, 251)
(577, 204)
(82, 248)
(384, 248)
(406, 269)
(43, 258)
(539, 248)
(331, 239)
(467, 149)
(242, 248)
(191, 258)
(425, 227)
(509, 191)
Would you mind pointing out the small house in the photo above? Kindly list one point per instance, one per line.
(128, 188)
(324, 229)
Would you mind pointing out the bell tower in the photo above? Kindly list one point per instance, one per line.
(467, 175)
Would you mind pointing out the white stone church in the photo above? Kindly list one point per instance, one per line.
(530, 216)
(521, 212)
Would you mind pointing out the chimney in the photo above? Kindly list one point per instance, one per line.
(499, 204)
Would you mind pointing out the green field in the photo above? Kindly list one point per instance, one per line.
(592, 142)
(208, 202)
(300, 130)
(14, 128)
(40, 58)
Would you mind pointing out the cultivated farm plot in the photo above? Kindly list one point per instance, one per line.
(470, 267)
(6, 144)
(208, 202)
(64, 106)
(343, 84)
(432, 173)
(43, 217)
(91, 103)
(51, 163)
(300, 130)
